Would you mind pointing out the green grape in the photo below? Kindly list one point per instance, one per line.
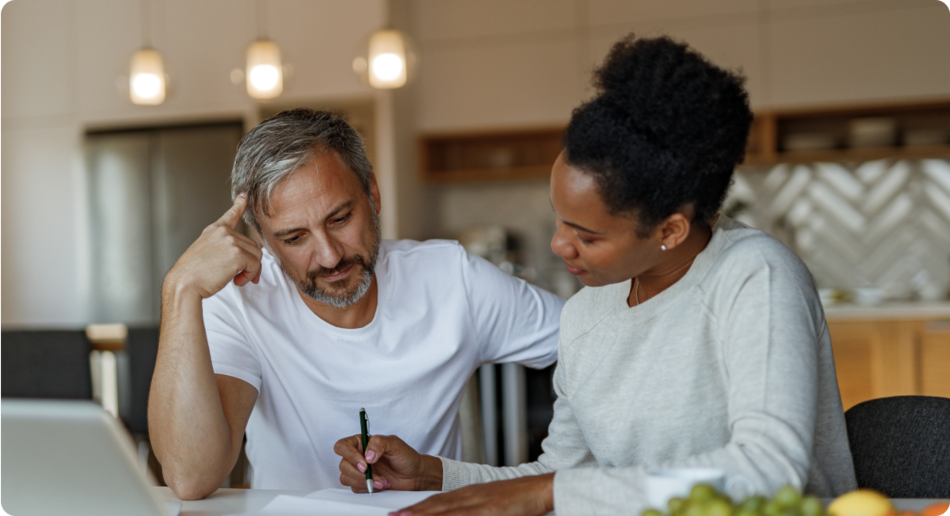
(772, 508)
(719, 507)
(787, 497)
(651, 512)
(695, 508)
(702, 492)
(675, 505)
(811, 506)
(753, 504)
(742, 511)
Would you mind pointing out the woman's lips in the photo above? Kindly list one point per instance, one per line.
(572, 270)
(338, 276)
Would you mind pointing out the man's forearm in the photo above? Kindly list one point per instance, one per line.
(187, 424)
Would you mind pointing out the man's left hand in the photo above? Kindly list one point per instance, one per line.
(526, 496)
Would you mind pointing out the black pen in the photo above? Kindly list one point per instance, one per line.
(364, 429)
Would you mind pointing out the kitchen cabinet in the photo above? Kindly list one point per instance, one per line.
(899, 130)
(842, 133)
(881, 352)
(498, 155)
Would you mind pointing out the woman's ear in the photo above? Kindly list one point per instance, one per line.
(673, 231)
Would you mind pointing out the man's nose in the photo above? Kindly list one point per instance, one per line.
(328, 253)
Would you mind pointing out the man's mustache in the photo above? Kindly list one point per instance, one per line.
(344, 264)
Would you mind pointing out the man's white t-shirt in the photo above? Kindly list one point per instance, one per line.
(440, 314)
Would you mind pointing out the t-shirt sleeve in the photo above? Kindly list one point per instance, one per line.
(231, 352)
(768, 326)
(514, 321)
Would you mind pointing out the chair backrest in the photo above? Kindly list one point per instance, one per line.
(901, 445)
(141, 345)
(45, 364)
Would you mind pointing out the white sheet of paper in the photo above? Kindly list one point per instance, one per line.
(391, 500)
(341, 502)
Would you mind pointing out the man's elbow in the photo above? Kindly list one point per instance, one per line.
(191, 488)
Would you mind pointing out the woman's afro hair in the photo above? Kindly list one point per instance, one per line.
(665, 131)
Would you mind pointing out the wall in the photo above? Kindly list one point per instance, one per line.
(497, 63)
(485, 64)
(62, 66)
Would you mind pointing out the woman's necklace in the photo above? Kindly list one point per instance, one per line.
(636, 291)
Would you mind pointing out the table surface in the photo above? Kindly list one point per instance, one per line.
(228, 501)
(923, 310)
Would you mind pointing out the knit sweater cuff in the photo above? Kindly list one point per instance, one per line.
(454, 474)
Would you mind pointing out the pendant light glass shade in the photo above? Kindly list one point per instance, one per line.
(264, 73)
(147, 78)
(387, 61)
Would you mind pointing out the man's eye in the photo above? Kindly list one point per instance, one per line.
(341, 220)
(292, 240)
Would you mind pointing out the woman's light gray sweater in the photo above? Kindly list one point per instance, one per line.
(730, 367)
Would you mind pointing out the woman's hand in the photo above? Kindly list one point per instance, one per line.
(526, 496)
(395, 465)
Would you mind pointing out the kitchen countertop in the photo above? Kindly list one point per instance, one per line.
(917, 310)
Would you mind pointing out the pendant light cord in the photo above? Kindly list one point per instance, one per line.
(261, 20)
(145, 9)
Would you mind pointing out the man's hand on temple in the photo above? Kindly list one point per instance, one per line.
(221, 254)
(525, 496)
(395, 465)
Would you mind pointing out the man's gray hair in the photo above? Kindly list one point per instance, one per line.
(279, 145)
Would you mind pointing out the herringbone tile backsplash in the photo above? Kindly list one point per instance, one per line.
(883, 224)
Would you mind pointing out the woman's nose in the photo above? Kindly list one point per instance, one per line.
(561, 246)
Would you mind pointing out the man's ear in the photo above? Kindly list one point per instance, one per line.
(374, 194)
(260, 239)
(674, 230)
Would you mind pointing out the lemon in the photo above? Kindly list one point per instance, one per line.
(863, 502)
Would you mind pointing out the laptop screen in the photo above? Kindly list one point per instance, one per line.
(70, 457)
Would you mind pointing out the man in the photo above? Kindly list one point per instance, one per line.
(290, 341)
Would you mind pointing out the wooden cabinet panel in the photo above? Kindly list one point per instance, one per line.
(935, 360)
(896, 343)
(877, 359)
(854, 362)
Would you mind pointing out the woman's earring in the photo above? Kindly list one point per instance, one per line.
(663, 247)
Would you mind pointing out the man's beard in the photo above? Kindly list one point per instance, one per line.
(344, 298)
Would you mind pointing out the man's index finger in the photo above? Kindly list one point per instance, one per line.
(232, 217)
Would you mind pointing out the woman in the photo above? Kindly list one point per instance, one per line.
(701, 342)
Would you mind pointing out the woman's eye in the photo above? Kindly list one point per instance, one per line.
(584, 240)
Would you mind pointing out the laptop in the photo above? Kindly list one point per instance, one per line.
(71, 458)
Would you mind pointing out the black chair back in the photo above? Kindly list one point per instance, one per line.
(901, 445)
(141, 345)
(45, 364)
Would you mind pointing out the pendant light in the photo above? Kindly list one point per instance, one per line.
(265, 78)
(147, 78)
(387, 61)
(147, 69)
(264, 72)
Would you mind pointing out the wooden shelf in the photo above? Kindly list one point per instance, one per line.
(529, 153)
(504, 155)
(772, 133)
(851, 155)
